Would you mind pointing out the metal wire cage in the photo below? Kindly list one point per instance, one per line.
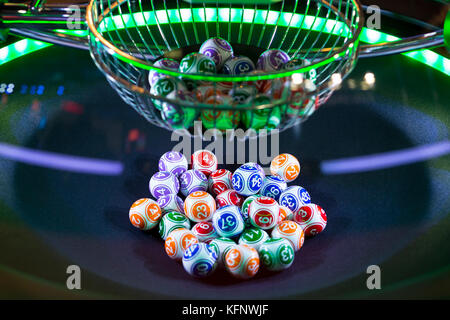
(321, 38)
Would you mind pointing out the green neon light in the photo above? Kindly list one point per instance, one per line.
(21, 48)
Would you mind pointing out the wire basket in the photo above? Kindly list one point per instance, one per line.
(321, 38)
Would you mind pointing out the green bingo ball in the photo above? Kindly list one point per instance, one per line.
(168, 88)
(276, 254)
(244, 208)
(195, 63)
(253, 237)
(222, 246)
(171, 221)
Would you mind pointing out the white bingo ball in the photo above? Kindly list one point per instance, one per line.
(247, 180)
(285, 166)
(200, 260)
(229, 197)
(272, 60)
(221, 246)
(171, 221)
(199, 206)
(285, 214)
(174, 162)
(291, 231)
(145, 214)
(253, 237)
(273, 186)
(178, 241)
(197, 63)
(170, 202)
(294, 197)
(219, 181)
(192, 181)
(228, 222)
(217, 49)
(163, 183)
(165, 63)
(276, 254)
(238, 65)
(168, 88)
(204, 231)
(264, 213)
(312, 218)
(242, 261)
(204, 161)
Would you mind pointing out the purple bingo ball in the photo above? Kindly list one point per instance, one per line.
(165, 63)
(193, 180)
(163, 183)
(171, 202)
(217, 49)
(174, 162)
(272, 60)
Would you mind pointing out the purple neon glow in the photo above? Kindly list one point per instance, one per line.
(60, 161)
(385, 160)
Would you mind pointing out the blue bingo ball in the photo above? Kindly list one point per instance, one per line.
(174, 162)
(163, 183)
(165, 63)
(217, 49)
(228, 221)
(273, 186)
(294, 198)
(272, 60)
(247, 180)
(238, 65)
(170, 202)
(200, 260)
(193, 180)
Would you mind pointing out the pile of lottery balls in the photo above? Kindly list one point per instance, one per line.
(241, 220)
(216, 56)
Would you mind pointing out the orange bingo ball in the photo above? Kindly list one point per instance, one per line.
(199, 206)
(242, 261)
(285, 166)
(291, 231)
(145, 214)
(178, 241)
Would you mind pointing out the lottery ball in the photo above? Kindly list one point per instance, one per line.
(245, 206)
(264, 213)
(229, 197)
(272, 60)
(312, 218)
(242, 94)
(178, 241)
(285, 214)
(145, 214)
(171, 221)
(238, 65)
(174, 162)
(199, 206)
(197, 63)
(170, 202)
(200, 260)
(257, 166)
(276, 254)
(265, 118)
(253, 237)
(219, 181)
(204, 231)
(242, 261)
(165, 63)
(228, 221)
(299, 63)
(220, 119)
(294, 197)
(273, 186)
(247, 180)
(221, 246)
(204, 161)
(163, 183)
(291, 231)
(192, 181)
(168, 88)
(285, 166)
(217, 49)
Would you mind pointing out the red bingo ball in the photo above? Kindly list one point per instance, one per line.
(229, 197)
(204, 161)
(219, 181)
(204, 231)
(264, 213)
(312, 218)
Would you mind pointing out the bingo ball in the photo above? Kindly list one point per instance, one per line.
(264, 118)
(257, 166)
(221, 246)
(276, 254)
(178, 241)
(165, 63)
(204, 161)
(253, 237)
(192, 181)
(272, 60)
(171, 221)
(299, 63)
(247, 180)
(285, 214)
(174, 162)
(273, 186)
(264, 213)
(145, 214)
(197, 63)
(219, 181)
(285, 166)
(170, 202)
(199, 206)
(242, 261)
(163, 183)
(229, 197)
(228, 221)
(245, 206)
(217, 49)
(294, 197)
(168, 88)
(238, 65)
(204, 231)
(242, 94)
(291, 231)
(219, 119)
(312, 218)
(200, 260)
(180, 117)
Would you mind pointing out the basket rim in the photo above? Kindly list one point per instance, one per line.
(352, 44)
